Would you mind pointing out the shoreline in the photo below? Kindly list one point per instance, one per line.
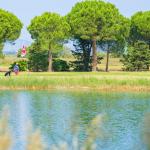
(141, 89)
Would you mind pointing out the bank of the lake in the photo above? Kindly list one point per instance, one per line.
(112, 81)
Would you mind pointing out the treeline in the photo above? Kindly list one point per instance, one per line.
(91, 25)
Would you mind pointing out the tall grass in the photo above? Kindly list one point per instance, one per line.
(146, 130)
(34, 141)
(100, 81)
(93, 132)
(5, 134)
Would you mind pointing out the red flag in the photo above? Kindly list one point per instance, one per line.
(23, 51)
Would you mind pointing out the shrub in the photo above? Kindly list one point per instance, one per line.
(137, 57)
(60, 65)
(23, 65)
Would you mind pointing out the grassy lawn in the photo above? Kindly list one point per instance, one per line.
(112, 81)
(5, 63)
(114, 64)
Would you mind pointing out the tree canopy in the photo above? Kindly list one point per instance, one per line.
(10, 27)
(137, 58)
(97, 20)
(50, 29)
(140, 27)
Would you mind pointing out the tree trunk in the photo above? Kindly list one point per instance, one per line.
(107, 60)
(86, 59)
(94, 58)
(49, 61)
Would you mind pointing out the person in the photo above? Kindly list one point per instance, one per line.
(16, 69)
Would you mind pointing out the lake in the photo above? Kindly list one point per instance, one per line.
(54, 113)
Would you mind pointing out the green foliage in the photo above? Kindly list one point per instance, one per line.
(137, 58)
(82, 55)
(49, 28)
(60, 65)
(85, 18)
(1, 48)
(140, 27)
(23, 65)
(10, 27)
(38, 58)
(97, 20)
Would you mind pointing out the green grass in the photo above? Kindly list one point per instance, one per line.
(114, 64)
(6, 61)
(112, 81)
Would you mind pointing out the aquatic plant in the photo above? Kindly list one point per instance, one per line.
(34, 141)
(5, 134)
(146, 130)
(94, 131)
(34, 137)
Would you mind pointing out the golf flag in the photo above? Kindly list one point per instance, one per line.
(23, 51)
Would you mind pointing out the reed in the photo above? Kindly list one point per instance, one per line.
(146, 130)
(35, 142)
(93, 132)
(114, 81)
(5, 134)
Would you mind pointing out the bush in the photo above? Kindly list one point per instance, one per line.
(60, 65)
(137, 57)
(23, 65)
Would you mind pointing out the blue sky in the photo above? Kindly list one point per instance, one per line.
(27, 9)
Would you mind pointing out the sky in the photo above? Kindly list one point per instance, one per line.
(25, 10)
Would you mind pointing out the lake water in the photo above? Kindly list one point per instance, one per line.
(54, 112)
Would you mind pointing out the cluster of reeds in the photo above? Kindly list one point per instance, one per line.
(34, 141)
(5, 134)
(101, 81)
(146, 130)
(34, 138)
(93, 132)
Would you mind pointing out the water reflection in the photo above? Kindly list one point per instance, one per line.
(21, 119)
(55, 112)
